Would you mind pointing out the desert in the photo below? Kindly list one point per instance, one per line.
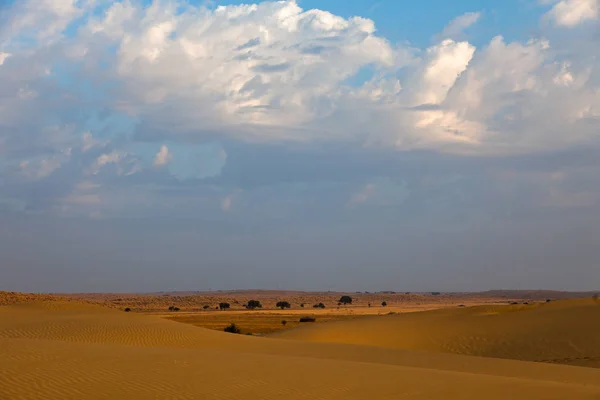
(61, 347)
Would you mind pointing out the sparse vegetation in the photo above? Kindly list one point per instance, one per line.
(345, 300)
(233, 328)
(308, 319)
(252, 304)
(283, 304)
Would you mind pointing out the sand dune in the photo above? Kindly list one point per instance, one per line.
(565, 332)
(70, 351)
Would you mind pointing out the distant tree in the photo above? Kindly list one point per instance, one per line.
(435, 293)
(206, 307)
(308, 319)
(369, 305)
(345, 300)
(283, 304)
(127, 309)
(224, 306)
(171, 308)
(252, 304)
(548, 300)
(284, 322)
(320, 305)
(176, 308)
(233, 328)
(595, 297)
(302, 305)
(217, 307)
(384, 303)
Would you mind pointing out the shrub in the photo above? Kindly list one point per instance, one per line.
(127, 309)
(284, 322)
(283, 304)
(461, 305)
(320, 305)
(595, 297)
(171, 308)
(233, 328)
(206, 307)
(384, 303)
(435, 293)
(252, 304)
(548, 300)
(224, 306)
(345, 300)
(369, 305)
(176, 308)
(302, 305)
(308, 319)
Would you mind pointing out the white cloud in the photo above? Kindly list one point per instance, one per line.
(3, 57)
(274, 72)
(226, 203)
(456, 27)
(363, 195)
(163, 157)
(569, 13)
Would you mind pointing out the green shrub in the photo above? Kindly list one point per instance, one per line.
(233, 328)
(283, 304)
(252, 304)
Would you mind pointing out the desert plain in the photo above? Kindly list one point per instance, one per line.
(493, 345)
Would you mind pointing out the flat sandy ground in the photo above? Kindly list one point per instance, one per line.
(73, 350)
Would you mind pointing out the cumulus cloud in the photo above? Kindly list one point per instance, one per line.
(163, 157)
(363, 195)
(102, 77)
(456, 27)
(569, 13)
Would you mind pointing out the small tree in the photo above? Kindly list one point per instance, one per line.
(233, 328)
(224, 306)
(283, 304)
(302, 305)
(345, 300)
(175, 308)
(172, 308)
(384, 303)
(252, 304)
(127, 309)
(320, 305)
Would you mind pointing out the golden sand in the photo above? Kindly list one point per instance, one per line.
(74, 351)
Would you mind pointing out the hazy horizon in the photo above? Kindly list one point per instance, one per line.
(154, 145)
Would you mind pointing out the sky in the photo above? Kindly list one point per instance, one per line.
(150, 145)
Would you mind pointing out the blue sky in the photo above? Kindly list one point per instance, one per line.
(351, 145)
